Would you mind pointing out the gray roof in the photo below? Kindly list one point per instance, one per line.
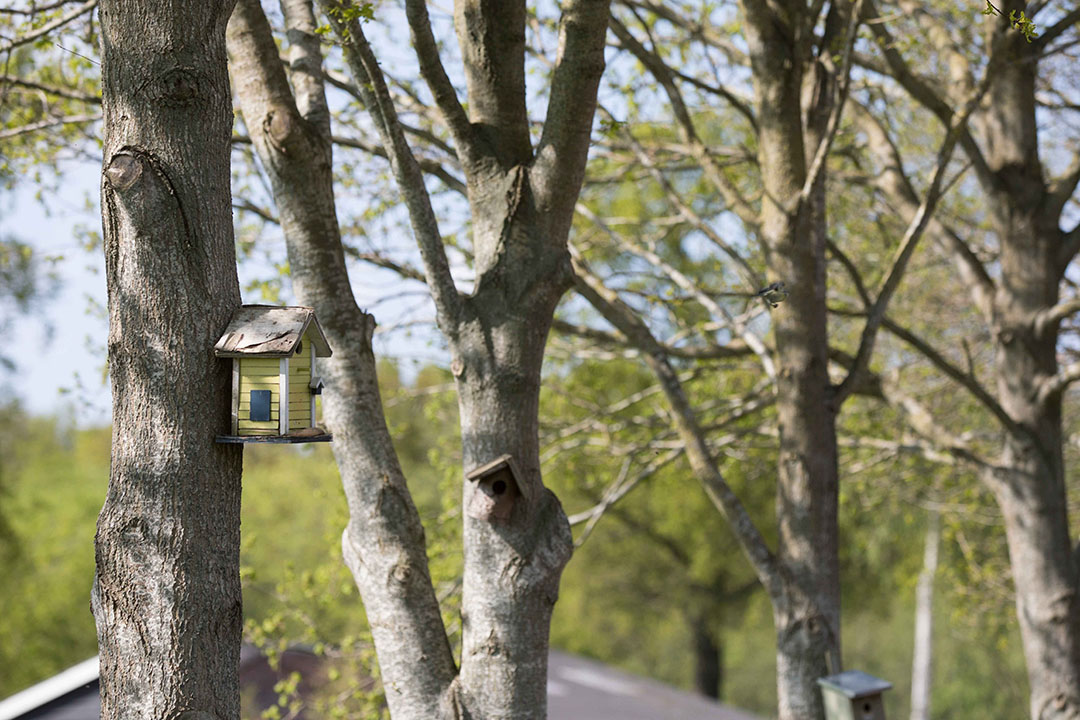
(855, 684)
(270, 331)
(578, 689)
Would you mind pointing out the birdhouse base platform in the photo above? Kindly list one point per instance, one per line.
(288, 439)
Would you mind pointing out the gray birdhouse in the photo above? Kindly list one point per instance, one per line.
(497, 490)
(853, 695)
(274, 380)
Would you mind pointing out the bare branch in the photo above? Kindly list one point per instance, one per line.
(898, 188)
(1063, 24)
(559, 168)
(431, 68)
(659, 70)
(919, 89)
(35, 9)
(404, 270)
(262, 213)
(50, 26)
(734, 349)
(740, 208)
(907, 247)
(429, 165)
(1049, 318)
(407, 172)
(738, 326)
(68, 93)
(48, 123)
(1054, 386)
(964, 379)
(615, 311)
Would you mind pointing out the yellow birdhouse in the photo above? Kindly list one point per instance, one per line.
(274, 379)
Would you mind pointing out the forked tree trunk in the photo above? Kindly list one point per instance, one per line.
(167, 591)
(522, 205)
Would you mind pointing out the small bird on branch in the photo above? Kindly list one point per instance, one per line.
(774, 293)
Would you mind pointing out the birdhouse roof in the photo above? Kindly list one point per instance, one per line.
(270, 331)
(855, 684)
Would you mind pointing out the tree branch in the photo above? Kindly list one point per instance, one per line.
(659, 70)
(904, 252)
(50, 26)
(491, 36)
(63, 92)
(431, 166)
(1049, 318)
(305, 63)
(1047, 36)
(920, 90)
(1055, 385)
(737, 326)
(966, 380)
(615, 311)
(896, 185)
(466, 140)
(817, 166)
(48, 123)
(734, 349)
(559, 168)
(407, 172)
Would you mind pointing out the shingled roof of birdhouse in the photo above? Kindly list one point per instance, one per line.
(270, 331)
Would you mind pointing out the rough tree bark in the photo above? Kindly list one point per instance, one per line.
(522, 203)
(167, 591)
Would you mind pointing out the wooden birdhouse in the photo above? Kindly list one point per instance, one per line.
(853, 695)
(274, 378)
(498, 487)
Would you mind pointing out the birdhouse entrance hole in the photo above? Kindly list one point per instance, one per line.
(498, 487)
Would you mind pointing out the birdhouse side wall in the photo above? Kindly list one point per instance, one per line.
(259, 374)
(299, 394)
(837, 707)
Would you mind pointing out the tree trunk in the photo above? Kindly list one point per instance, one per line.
(1030, 488)
(922, 657)
(708, 660)
(807, 614)
(167, 592)
(512, 565)
(383, 545)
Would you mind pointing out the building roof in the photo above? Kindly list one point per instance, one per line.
(69, 695)
(578, 689)
(270, 331)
